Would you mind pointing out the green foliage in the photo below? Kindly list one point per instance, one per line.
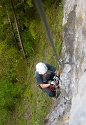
(48, 3)
(9, 94)
(29, 2)
(28, 93)
(18, 94)
(32, 29)
(4, 116)
(28, 42)
(12, 74)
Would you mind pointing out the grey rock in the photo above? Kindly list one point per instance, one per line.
(73, 77)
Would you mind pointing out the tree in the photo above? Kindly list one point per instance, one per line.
(17, 27)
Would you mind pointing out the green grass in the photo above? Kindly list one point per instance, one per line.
(34, 104)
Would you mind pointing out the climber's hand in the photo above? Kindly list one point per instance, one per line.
(53, 84)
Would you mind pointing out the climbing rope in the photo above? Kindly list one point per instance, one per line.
(43, 18)
(39, 6)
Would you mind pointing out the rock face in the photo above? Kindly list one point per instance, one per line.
(73, 76)
(78, 110)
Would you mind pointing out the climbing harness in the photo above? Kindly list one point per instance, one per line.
(39, 6)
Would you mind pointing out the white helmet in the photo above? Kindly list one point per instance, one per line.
(41, 68)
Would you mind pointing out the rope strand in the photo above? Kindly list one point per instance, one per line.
(39, 6)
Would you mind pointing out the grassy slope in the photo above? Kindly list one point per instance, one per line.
(35, 104)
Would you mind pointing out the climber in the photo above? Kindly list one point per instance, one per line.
(47, 77)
